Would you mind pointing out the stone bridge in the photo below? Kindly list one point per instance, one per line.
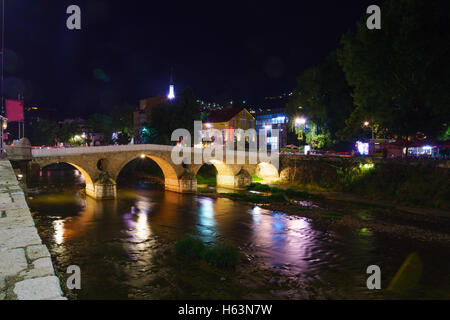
(101, 166)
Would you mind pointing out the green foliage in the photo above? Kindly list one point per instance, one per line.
(259, 187)
(207, 175)
(256, 198)
(166, 118)
(279, 194)
(222, 255)
(189, 248)
(119, 121)
(50, 133)
(323, 96)
(399, 74)
(255, 178)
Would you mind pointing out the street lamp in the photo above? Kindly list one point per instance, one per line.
(367, 124)
(300, 121)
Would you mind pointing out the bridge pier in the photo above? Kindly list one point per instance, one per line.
(102, 191)
(187, 183)
(238, 181)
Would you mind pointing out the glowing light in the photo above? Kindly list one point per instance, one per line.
(367, 166)
(209, 125)
(366, 124)
(143, 156)
(268, 127)
(171, 95)
(300, 121)
(363, 148)
(307, 149)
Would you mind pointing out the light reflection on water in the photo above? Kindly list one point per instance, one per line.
(115, 242)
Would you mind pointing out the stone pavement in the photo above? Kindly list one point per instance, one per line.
(26, 269)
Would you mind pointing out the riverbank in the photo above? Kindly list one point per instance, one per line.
(406, 182)
(26, 269)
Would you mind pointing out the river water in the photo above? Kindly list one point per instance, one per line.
(123, 248)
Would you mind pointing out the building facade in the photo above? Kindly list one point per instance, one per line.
(274, 119)
(225, 122)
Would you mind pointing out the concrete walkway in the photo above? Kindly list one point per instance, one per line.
(26, 270)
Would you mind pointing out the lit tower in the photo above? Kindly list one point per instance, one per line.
(171, 94)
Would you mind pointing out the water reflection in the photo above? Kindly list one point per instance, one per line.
(115, 242)
(283, 240)
(206, 220)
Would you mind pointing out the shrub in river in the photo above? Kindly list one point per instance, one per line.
(259, 187)
(223, 256)
(256, 198)
(189, 248)
(291, 192)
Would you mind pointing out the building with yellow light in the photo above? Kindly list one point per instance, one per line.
(225, 122)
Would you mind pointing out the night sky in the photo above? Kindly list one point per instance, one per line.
(125, 50)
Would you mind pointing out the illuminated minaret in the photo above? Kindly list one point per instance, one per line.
(171, 94)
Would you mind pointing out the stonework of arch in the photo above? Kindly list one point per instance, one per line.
(267, 171)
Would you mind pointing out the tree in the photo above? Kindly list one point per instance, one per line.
(122, 120)
(185, 111)
(45, 132)
(399, 74)
(102, 124)
(322, 96)
(165, 118)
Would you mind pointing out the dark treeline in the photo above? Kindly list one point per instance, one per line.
(394, 79)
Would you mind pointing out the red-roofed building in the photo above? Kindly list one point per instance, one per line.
(230, 118)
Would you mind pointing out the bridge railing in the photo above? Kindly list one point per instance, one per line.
(60, 152)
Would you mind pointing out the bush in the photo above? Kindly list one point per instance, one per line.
(259, 187)
(291, 192)
(224, 256)
(189, 248)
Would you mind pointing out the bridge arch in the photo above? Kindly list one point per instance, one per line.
(172, 174)
(88, 176)
(267, 171)
(229, 176)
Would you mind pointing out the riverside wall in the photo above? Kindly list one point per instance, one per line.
(26, 269)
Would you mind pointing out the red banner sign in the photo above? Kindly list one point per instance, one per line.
(14, 110)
